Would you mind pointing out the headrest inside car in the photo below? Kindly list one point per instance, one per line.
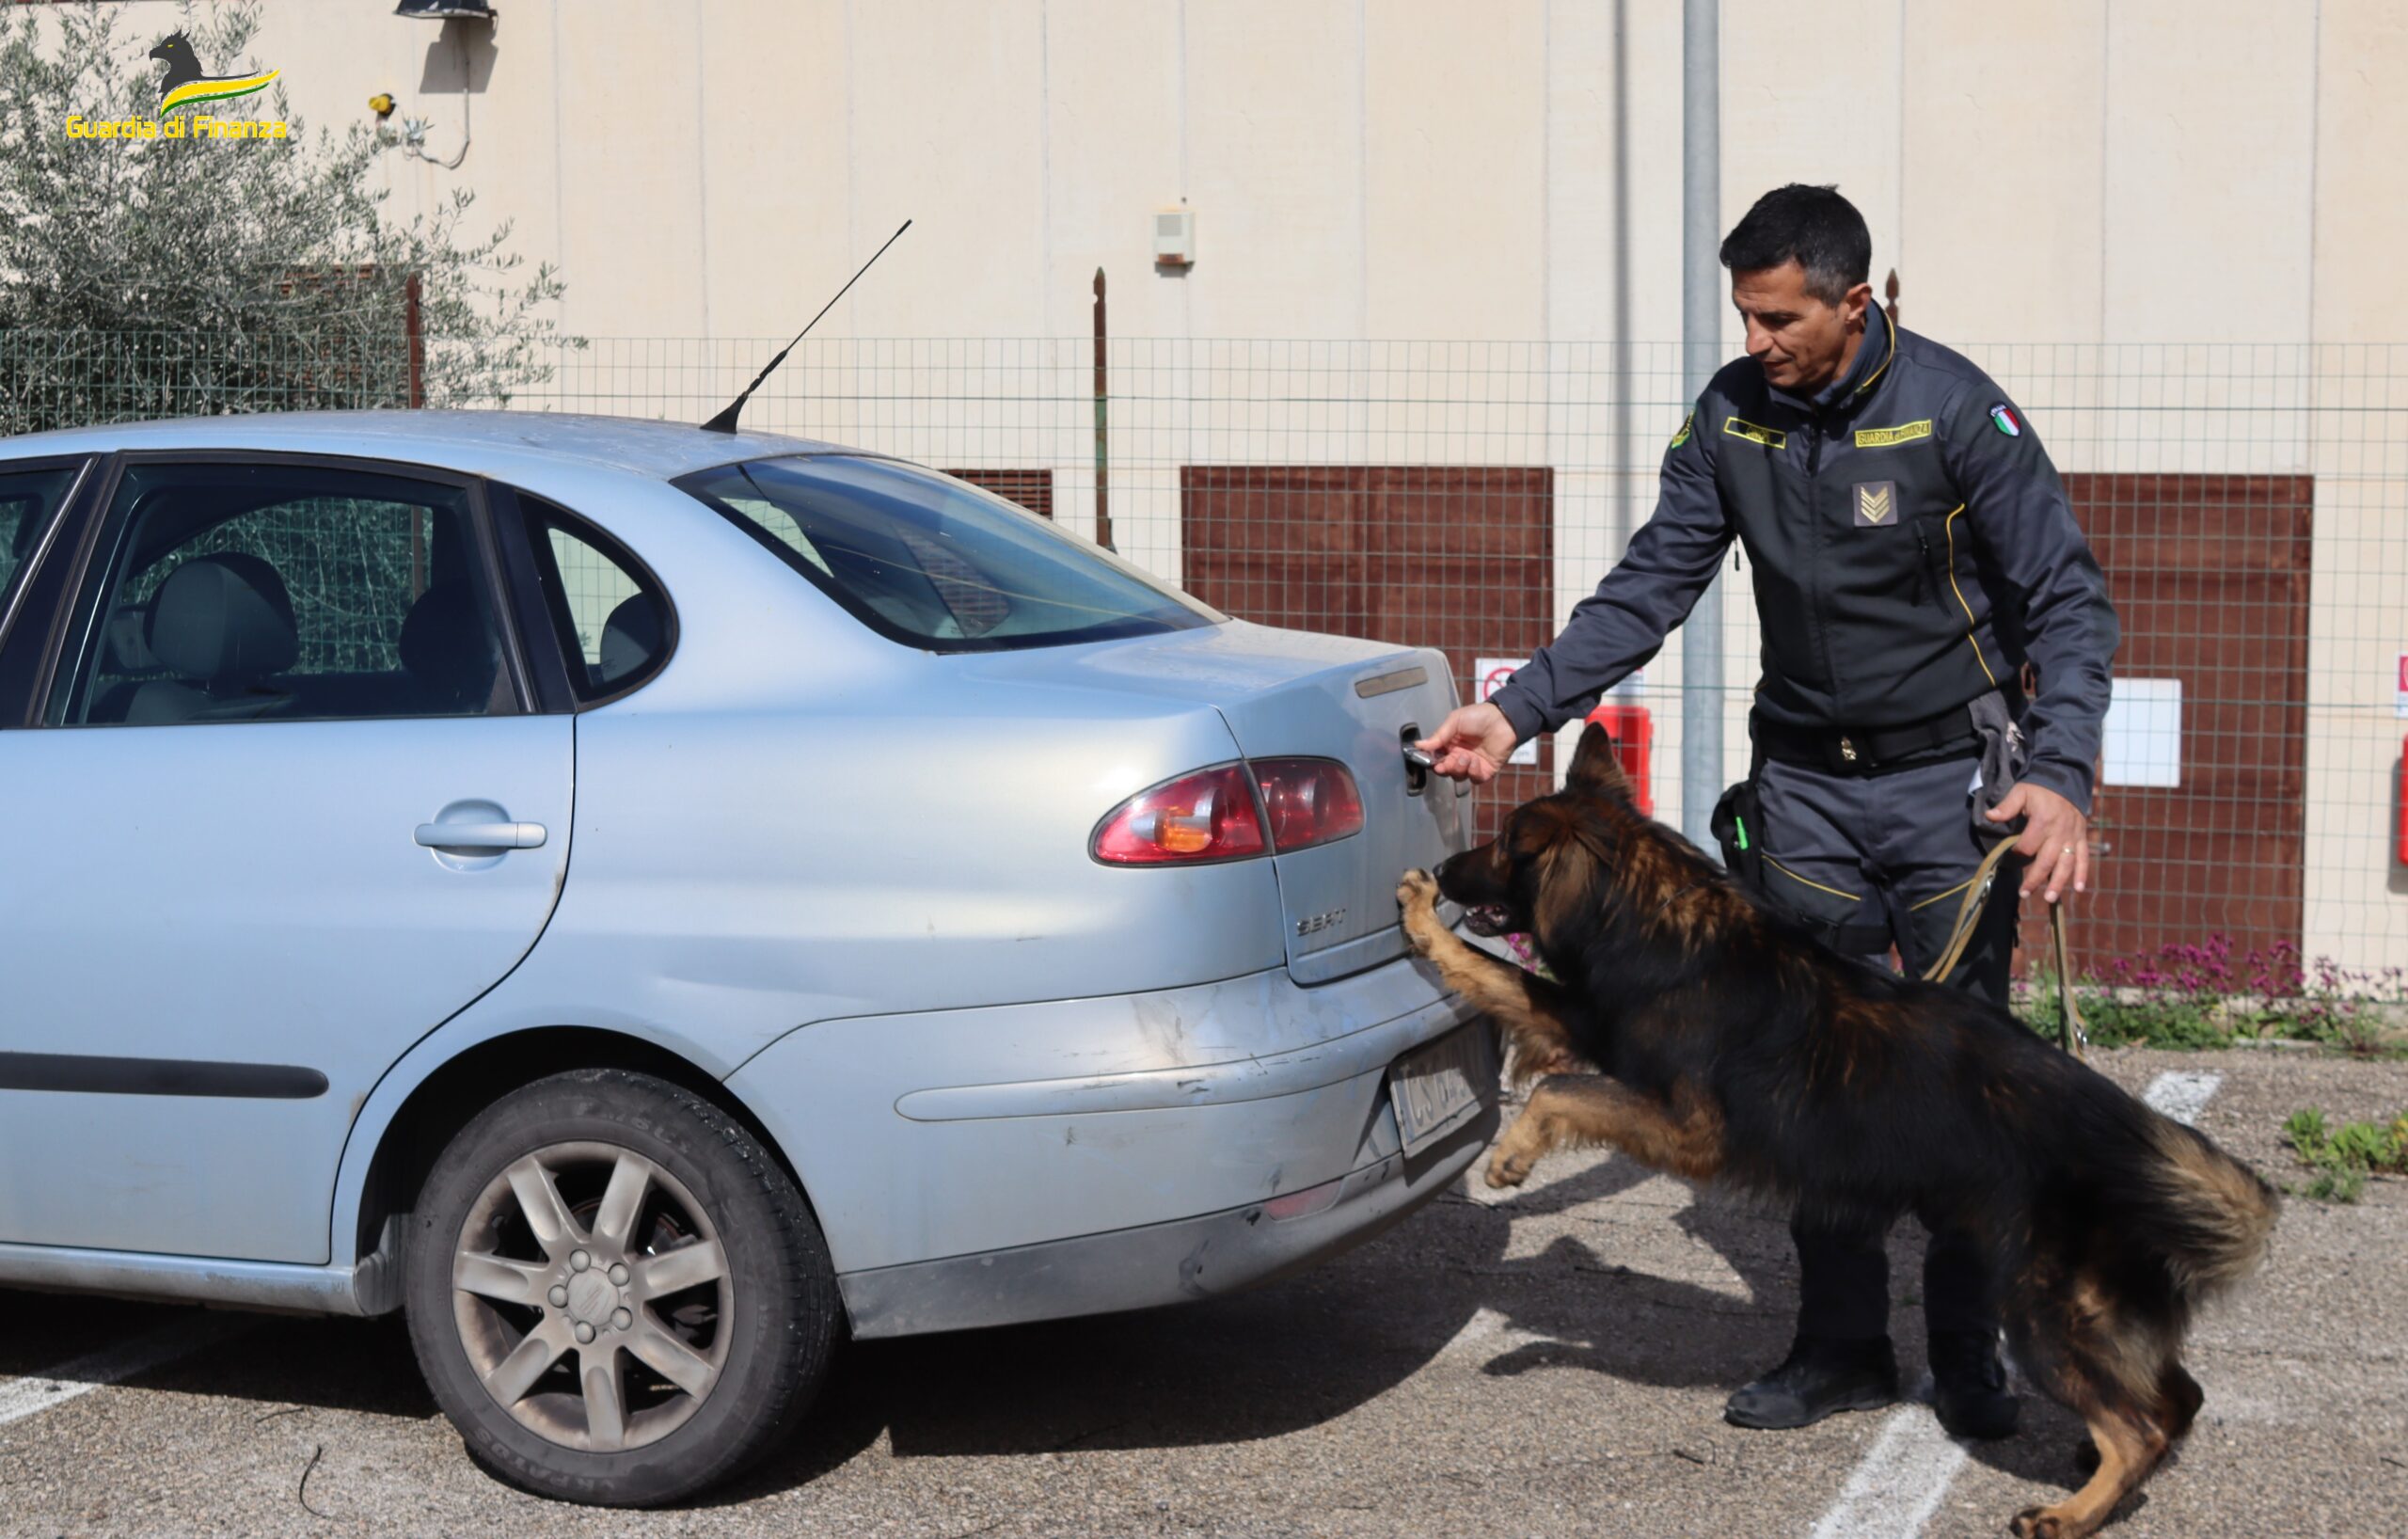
(224, 619)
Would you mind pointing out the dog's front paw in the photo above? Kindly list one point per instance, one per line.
(1416, 894)
(1506, 1169)
(2034, 1523)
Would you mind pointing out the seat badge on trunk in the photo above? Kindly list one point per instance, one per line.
(1319, 922)
(1875, 501)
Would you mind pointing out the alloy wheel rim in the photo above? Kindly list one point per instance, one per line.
(592, 1296)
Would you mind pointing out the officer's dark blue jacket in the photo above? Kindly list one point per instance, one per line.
(1913, 546)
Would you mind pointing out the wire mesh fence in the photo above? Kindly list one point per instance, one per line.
(358, 359)
(2249, 505)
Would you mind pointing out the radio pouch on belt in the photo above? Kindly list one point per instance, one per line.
(2003, 760)
(1739, 826)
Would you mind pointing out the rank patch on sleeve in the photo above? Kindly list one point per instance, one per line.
(2003, 418)
(1876, 503)
(1771, 437)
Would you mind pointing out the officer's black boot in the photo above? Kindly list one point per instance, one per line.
(1969, 1384)
(1820, 1376)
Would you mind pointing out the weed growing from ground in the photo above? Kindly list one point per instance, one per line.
(2344, 1157)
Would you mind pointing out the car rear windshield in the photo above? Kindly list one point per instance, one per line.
(936, 563)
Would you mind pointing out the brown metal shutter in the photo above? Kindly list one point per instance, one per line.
(2209, 576)
(1454, 557)
(1031, 489)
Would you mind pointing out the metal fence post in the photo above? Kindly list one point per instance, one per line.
(1701, 333)
(1102, 456)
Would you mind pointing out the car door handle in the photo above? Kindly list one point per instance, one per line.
(481, 835)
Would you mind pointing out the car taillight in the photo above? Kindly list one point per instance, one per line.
(1311, 802)
(1209, 816)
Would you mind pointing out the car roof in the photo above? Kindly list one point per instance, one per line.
(470, 442)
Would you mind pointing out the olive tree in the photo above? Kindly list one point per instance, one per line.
(146, 277)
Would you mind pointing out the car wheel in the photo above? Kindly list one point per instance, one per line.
(615, 1293)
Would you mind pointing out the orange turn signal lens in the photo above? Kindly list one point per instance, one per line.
(1208, 816)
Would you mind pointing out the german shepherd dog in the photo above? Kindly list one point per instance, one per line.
(1735, 1048)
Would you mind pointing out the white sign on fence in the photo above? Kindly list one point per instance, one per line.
(2144, 733)
(1489, 674)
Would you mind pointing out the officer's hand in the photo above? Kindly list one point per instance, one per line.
(2056, 843)
(1472, 743)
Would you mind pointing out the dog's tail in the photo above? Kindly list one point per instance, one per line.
(2204, 1213)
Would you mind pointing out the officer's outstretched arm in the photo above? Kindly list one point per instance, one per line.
(1623, 624)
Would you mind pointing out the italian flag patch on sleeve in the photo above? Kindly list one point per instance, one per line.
(2003, 418)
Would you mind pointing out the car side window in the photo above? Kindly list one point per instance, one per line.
(27, 500)
(283, 592)
(614, 623)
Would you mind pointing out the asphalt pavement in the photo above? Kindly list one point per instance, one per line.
(1549, 1361)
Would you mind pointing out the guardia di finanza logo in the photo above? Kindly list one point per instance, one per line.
(185, 86)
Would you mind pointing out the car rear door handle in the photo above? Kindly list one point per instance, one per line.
(481, 835)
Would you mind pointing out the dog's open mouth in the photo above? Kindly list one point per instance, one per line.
(1488, 919)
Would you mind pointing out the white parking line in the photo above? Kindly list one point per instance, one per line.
(1905, 1476)
(2181, 1096)
(38, 1392)
(1900, 1483)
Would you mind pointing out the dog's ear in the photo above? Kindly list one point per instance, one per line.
(1596, 769)
(1570, 866)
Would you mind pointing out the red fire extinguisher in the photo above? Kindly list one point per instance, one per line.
(1633, 736)
(2403, 795)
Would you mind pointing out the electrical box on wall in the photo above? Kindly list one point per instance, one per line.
(1174, 238)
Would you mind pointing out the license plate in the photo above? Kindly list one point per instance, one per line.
(1437, 1088)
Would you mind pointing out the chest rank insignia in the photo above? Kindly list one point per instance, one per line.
(1877, 501)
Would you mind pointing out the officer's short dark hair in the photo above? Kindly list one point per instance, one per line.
(1813, 227)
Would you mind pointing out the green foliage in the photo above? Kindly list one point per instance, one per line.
(2211, 995)
(2337, 1184)
(2306, 1131)
(2344, 1157)
(161, 276)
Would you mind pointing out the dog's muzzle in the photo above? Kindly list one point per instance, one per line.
(1487, 919)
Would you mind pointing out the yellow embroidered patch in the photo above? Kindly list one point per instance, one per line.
(1769, 437)
(1683, 436)
(1882, 437)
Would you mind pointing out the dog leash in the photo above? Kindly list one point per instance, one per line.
(2073, 1035)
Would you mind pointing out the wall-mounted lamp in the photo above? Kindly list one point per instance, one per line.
(1175, 239)
(445, 10)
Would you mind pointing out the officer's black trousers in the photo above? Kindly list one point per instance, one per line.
(1874, 860)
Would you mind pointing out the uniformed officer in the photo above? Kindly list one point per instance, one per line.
(1914, 550)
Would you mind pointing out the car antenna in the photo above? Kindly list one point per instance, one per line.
(725, 420)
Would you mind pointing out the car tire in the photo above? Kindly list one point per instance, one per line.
(615, 1293)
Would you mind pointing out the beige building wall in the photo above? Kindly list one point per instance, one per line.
(2137, 215)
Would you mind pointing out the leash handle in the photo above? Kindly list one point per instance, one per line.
(2073, 1036)
(1969, 911)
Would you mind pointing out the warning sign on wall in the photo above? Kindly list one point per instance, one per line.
(1489, 675)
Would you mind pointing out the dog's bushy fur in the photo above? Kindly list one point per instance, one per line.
(1735, 1048)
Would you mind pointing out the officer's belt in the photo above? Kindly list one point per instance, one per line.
(1864, 751)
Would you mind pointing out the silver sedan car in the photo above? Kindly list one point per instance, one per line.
(643, 901)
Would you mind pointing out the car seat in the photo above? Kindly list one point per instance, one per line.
(223, 625)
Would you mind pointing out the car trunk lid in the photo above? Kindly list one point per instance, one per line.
(1299, 694)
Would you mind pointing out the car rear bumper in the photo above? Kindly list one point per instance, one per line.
(1060, 1152)
(1160, 1263)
